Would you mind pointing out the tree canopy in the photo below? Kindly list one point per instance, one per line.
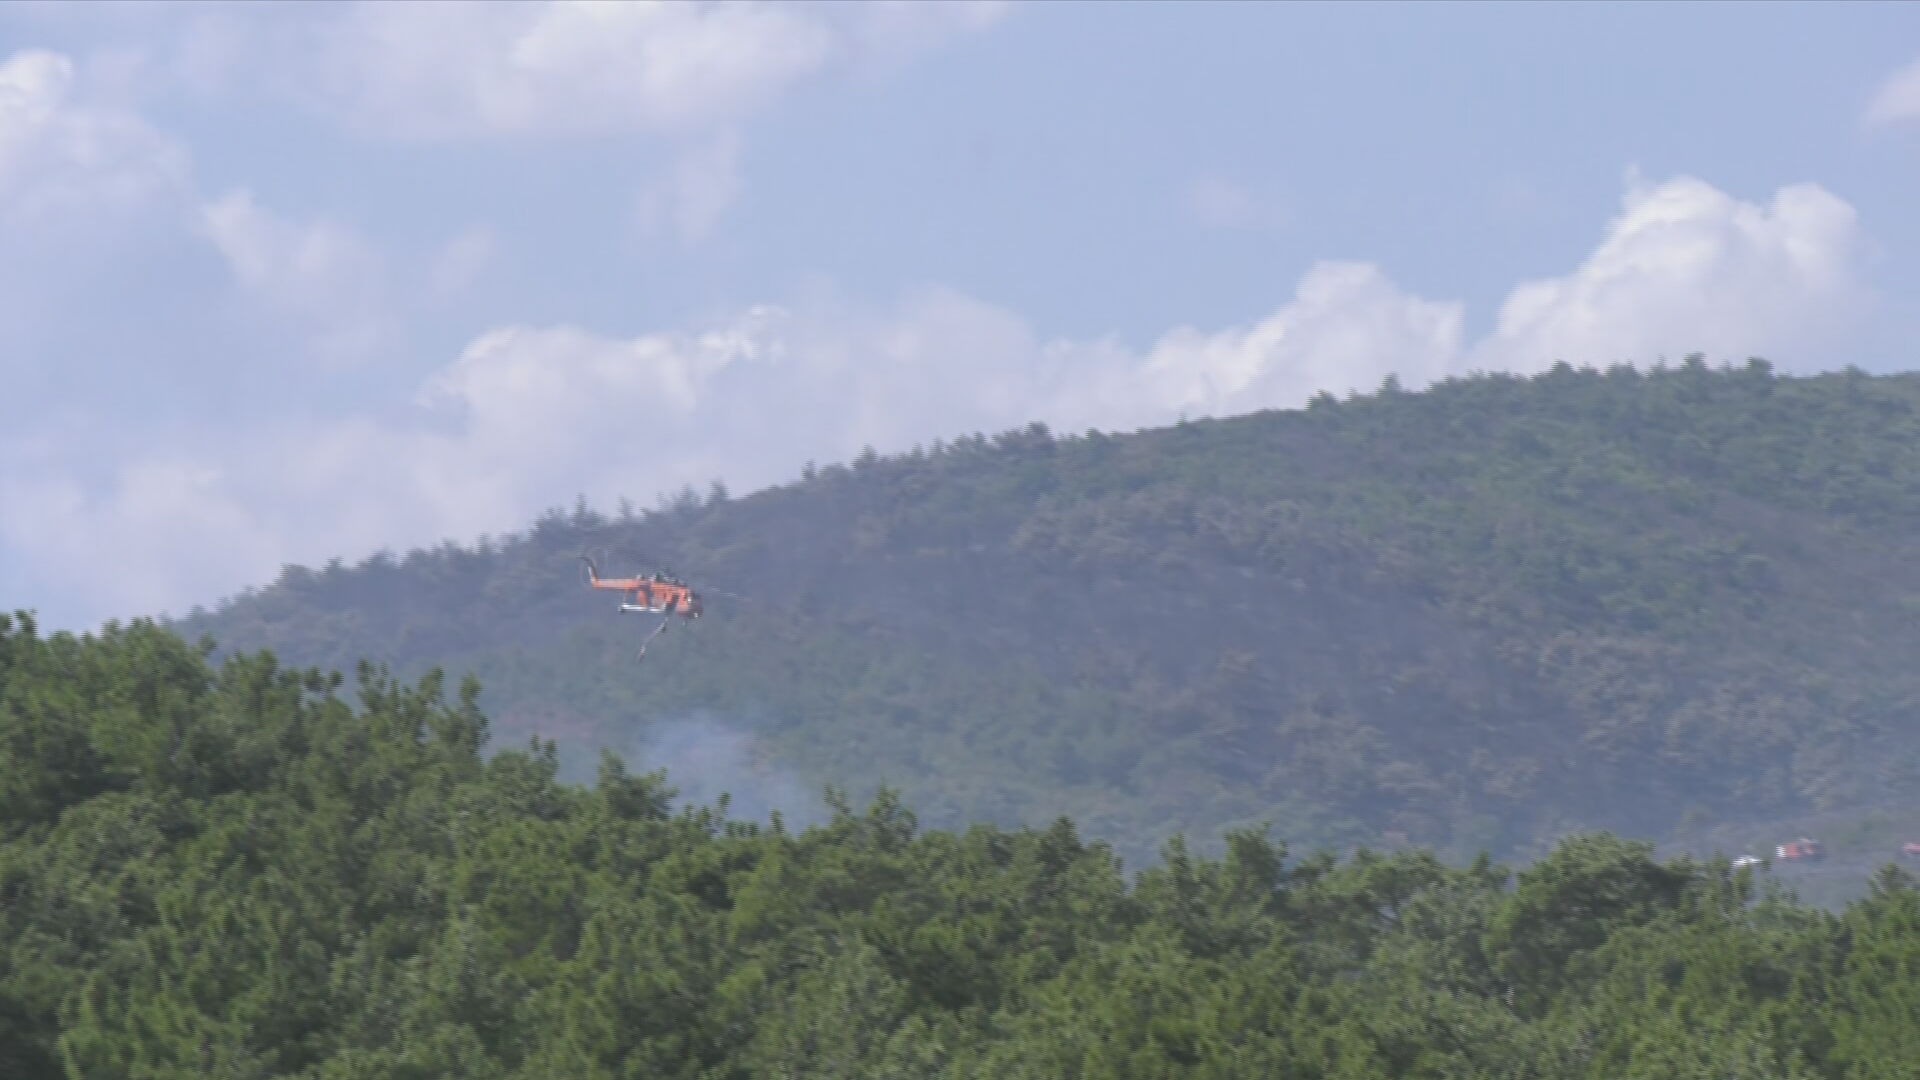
(245, 870)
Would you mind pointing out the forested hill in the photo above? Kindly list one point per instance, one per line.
(1476, 616)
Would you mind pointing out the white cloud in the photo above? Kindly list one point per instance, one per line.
(575, 67)
(88, 191)
(526, 416)
(161, 530)
(1686, 267)
(1347, 327)
(690, 71)
(561, 68)
(523, 409)
(1220, 203)
(462, 261)
(319, 272)
(466, 68)
(691, 197)
(293, 263)
(1898, 98)
(62, 159)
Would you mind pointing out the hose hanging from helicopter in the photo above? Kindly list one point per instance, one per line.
(657, 631)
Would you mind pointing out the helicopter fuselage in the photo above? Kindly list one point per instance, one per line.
(655, 597)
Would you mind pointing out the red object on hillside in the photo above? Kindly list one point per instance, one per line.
(1911, 847)
(1799, 849)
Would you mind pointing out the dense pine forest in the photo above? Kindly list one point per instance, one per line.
(1477, 617)
(251, 871)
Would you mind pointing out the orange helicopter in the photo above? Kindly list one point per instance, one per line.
(658, 593)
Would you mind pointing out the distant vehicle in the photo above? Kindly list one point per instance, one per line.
(1911, 848)
(1801, 850)
(1745, 861)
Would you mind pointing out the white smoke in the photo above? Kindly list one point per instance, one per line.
(705, 757)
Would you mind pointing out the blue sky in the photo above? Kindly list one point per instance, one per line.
(283, 283)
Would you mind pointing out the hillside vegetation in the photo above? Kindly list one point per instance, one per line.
(1477, 617)
(243, 874)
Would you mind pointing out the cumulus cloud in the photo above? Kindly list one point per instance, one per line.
(319, 272)
(87, 191)
(63, 159)
(1898, 98)
(95, 201)
(574, 67)
(560, 68)
(1686, 267)
(751, 397)
(1347, 327)
(690, 72)
(472, 68)
(526, 416)
(690, 198)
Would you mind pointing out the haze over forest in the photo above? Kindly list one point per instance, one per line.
(1476, 618)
